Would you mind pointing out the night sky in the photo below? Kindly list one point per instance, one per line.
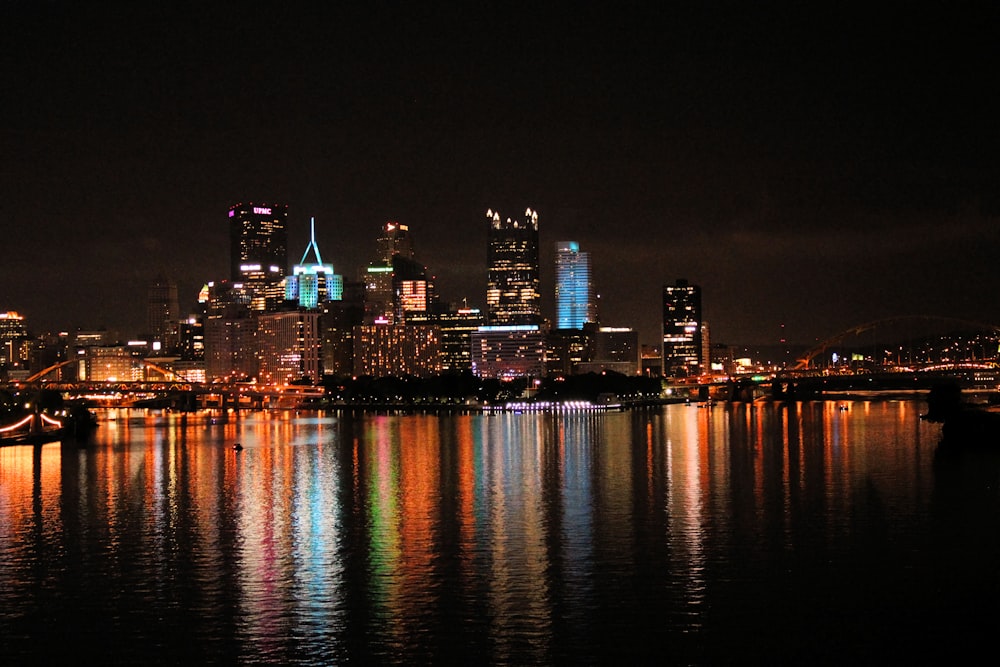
(816, 168)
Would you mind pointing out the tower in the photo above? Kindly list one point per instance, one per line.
(312, 283)
(396, 283)
(512, 259)
(394, 240)
(574, 290)
(258, 242)
(681, 329)
(162, 311)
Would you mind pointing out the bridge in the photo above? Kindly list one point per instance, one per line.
(173, 391)
(891, 330)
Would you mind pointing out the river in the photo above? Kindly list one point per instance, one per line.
(773, 533)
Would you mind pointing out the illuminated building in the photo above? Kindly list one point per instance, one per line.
(574, 290)
(681, 330)
(338, 322)
(112, 364)
(13, 336)
(313, 283)
(258, 250)
(508, 351)
(162, 312)
(394, 240)
(512, 258)
(565, 349)
(614, 349)
(396, 284)
(288, 345)
(384, 349)
(230, 346)
(456, 326)
(192, 338)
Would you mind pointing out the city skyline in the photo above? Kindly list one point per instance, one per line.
(810, 171)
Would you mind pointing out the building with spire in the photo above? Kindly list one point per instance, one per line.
(313, 283)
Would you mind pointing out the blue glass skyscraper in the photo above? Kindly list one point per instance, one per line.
(574, 292)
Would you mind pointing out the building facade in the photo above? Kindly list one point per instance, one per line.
(397, 349)
(258, 250)
(512, 297)
(574, 288)
(508, 351)
(162, 312)
(682, 321)
(396, 284)
(289, 347)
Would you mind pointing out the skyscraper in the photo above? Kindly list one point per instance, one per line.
(681, 329)
(574, 290)
(312, 283)
(162, 311)
(395, 283)
(258, 242)
(512, 287)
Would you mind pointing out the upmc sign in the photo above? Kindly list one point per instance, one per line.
(261, 211)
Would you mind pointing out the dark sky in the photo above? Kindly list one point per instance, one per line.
(812, 167)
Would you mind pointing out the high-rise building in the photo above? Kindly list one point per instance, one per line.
(13, 336)
(574, 289)
(312, 283)
(289, 347)
(394, 240)
(258, 250)
(681, 329)
(162, 312)
(395, 283)
(512, 284)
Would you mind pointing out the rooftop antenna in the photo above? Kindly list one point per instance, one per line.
(312, 243)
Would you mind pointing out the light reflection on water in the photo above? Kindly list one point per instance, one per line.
(677, 534)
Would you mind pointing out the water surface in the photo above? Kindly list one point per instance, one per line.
(743, 533)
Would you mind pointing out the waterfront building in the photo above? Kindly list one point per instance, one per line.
(456, 327)
(114, 363)
(565, 349)
(574, 289)
(191, 332)
(397, 349)
(614, 349)
(288, 347)
(508, 351)
(258, 251)
(230, 346)
(313, 283)
(512, 296)
(162, 312)
(682, 348)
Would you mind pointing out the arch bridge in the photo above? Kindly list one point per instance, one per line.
(915, 326)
